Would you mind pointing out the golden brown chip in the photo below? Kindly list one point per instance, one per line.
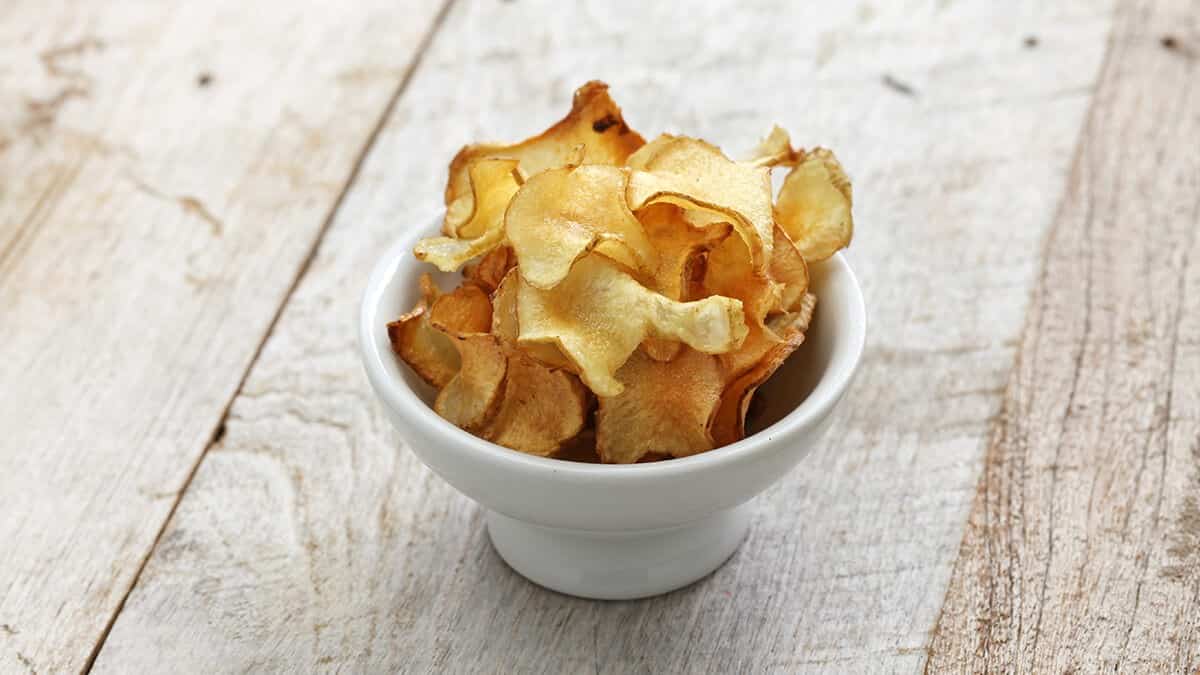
(489, 270)
(561, 214)
(694, 174)
(813, 207)
(463, 311)
(729, 423)
(540, 409)
(470, 397)
(729, 272)
(493, 184)
(428, 351)
(599, 315)
(664, 408)
(789, 269)
(594, 122)
(681, 245)
(775, 150)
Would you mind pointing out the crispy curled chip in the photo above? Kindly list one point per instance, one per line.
(561, 214)
(493, 184)
(598, 315)
(428, 351)
(665, 408)
(728, 425)
(594, 122)
(813, 206)
(540, 409)
(463, 311)
(681, 245)
(640, 159)
(790, 270)
(470, 397)
(694, 174)
(729, 272)
(775, 149)
(506, 327)
(489, 270)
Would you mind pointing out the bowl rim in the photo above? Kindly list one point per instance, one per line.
(401, 399)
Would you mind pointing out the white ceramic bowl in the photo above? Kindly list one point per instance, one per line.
(618, 531)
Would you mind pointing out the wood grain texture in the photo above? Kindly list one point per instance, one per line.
(1083, 549)
(307, 542)
(165, 170)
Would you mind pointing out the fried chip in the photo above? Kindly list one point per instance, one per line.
(681, 246)
(729, 423)
(594, 122)
(463, 311)
(493, 184)
(560, 215)
(598, 315)
(775, 149)
(540, 409)
(490, 270)
(691, 173)
(640, 159)
(664, 408)
(470, 397)
(428, 351)
(505, 326)
(790, 270)
(813, 206)
(729, 272)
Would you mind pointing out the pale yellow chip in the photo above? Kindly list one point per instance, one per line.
(691, 173)
(471, 397)
(594, 122)
(729, 423)
(598, 315)
(560, 215)
(493, 184)
(428, 351)
(813, 206)
(540, 409)
(640, 159)
(505, 326)
(775, 149)
(665, 408)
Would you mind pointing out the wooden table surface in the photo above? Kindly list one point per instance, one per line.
(195, 477)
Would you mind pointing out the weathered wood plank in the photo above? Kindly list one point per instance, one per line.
(306, 541)
(165, 170)
(1082, 552)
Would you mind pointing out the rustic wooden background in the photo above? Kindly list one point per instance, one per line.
(194, 476)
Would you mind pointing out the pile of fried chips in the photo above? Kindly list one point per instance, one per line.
(656, 285)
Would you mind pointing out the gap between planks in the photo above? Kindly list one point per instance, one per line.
(219, 431)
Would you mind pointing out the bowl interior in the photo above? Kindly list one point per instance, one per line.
(811, 379)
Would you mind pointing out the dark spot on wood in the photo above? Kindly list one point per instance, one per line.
(1031, 42)
(898, 86)
(219, 434)
(604, 123)
(1168, 42)
(204, 79)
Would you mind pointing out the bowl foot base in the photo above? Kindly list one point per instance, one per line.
(618, 565)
